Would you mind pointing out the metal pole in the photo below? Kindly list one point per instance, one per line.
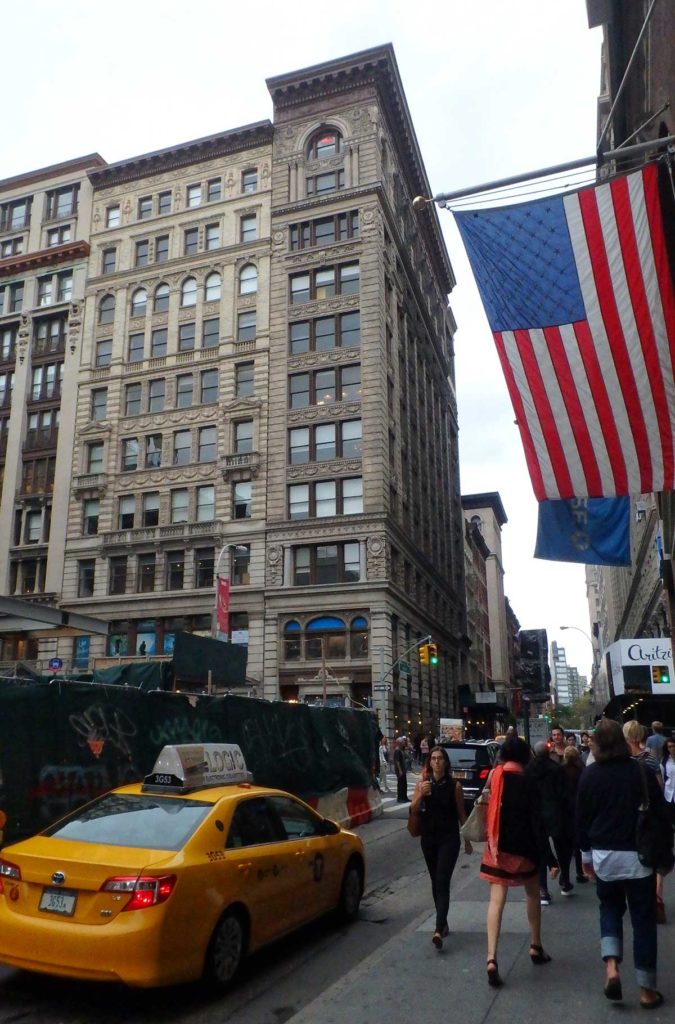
(323, 667)
(383, 692)
(526, 718)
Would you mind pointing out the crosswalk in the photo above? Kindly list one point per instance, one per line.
(389, 799)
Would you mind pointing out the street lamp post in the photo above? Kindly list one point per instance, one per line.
(225, 550)
(591, 688)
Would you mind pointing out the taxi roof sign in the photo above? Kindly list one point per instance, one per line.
(193, 765)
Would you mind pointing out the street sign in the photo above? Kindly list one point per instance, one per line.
(404, 667)
(382, 687)
(55, 663)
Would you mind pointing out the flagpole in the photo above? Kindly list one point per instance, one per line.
(613, 154)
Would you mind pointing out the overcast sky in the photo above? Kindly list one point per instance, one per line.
(494, 87)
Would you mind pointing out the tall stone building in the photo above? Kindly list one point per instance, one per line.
(266, 393)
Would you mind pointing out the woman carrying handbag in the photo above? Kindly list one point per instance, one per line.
(439, 802)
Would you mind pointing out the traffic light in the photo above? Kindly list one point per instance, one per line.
(424, 654)
(433, 654)
(660, 674)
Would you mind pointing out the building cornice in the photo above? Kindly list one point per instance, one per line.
(68, 167)
(489, 499)
(183, 155)
(43, 258)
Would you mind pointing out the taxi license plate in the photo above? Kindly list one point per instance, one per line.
(58, 901)
(460, 775)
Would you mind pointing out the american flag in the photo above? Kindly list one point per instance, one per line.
(579, 296)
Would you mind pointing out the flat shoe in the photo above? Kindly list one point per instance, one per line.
(539, 956)
(653, 1003)
(437, 940)
(613, 990)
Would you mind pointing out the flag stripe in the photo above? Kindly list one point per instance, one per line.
(575, 412)
(541, 489)
(630, 216)
(600, 398)
(597, 355)
(610, 316)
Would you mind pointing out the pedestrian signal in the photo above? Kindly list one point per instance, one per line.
(433, 654)
(424, 654)
(660, 674)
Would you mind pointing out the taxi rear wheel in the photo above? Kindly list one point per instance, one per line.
(350, 892)
(227, 950)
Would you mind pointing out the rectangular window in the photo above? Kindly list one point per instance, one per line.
(179, 505)
(95, 457)
(324, 283)
(132, 400)
(298, 446)
(104, 352)
(210, 332)
(145, 207)
(142, 253)
(57, 236)
(204, 562)
(45, 293)
(145, 574)
(207, 444)
(64, 287)
(126, 512)
(33, 528)
(298, 501)
(136, 348)
(325, 497)
(161, 249)
(324, 442)
(249, 180)
(299, 337)
(90, 513)
(117, 575)
(109, 261)
(164, 202)
(99, 403)
(182, 447)
(153, 451)
(194, 196)
(243, 437)
(325, 230)
(175, 570)
(158, 342)
(206, 503)
(208, 387)
(248, 228)
(350, 383)
(129, 454)
(352, 496)
(15, 301)
(190, 242)
(151, 508)
(156, 395)
(351, 433)
(62, 202)
(212, 237)
(86, 570)
(326, 563)
(246, 325)
(241, 499)
(240, 563)
(15, 215)
(184, 388)
(186, 337)
(214, 190)
(298, 391)
(330, 181)
(113, 217)
(244, 379)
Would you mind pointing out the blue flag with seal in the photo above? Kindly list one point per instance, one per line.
(595, 531)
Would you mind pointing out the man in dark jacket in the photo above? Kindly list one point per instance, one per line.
(557, 815)
(401, 774)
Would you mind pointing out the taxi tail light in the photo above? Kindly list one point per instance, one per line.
(145, 890)
(10, 872)
(483, 773)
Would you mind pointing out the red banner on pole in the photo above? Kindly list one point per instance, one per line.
(223, 605)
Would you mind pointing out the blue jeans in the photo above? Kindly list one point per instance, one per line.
(640, 895)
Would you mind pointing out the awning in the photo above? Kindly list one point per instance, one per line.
(17, 615)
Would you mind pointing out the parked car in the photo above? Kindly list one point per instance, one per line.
(470, 763)
(176, 878)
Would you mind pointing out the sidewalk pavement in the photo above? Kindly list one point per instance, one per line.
(406, 979)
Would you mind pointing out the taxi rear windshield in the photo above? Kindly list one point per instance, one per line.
(148, 822)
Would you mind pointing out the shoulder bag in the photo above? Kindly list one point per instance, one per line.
(415, 823)
(653, 836)
(474, 828)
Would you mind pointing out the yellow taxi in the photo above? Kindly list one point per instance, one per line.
(174, 879)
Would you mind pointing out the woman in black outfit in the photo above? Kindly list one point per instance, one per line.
(441, 802)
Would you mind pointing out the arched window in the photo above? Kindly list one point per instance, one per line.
(161, 303)
(358, 637)
(292, 641)
(248, 279)
(106, 310)
(324, 144)
(332, 632)
(188, 292)
(139, 302)
(477, 522)
(212, 287)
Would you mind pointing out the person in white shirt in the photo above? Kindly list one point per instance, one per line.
(668, 770)
(384, 765)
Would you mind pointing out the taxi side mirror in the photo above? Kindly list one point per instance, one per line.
(330, 828)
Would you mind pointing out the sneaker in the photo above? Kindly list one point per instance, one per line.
(545, 898)
(566, 889)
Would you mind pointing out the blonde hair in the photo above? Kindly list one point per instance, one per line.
(634, 732)
(571, 754)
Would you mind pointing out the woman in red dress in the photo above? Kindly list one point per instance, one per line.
(516, 842)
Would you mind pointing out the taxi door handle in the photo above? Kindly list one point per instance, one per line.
(245, 868)
(299, 853)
